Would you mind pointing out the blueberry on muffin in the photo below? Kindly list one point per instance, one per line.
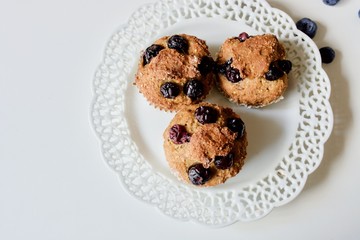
(205, 144)
(252, 70)
(175, 71)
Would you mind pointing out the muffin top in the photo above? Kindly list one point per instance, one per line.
(175, 71)
(205, 144)
(252, 56)
(252, 70)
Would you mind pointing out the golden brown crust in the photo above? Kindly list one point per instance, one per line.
(210, 140)
(172, 66)
(206, 142)
(252, 58)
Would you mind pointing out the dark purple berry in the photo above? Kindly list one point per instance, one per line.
(327, 54)
(274, 72)
(178, 43)
(359, 13)
(169, 90)
(233, 74)
(198, 175)
(331, 2)
(206, 65)
(243, 36)
(224, 162)
(284, 65)
(307, 26)
(194, 89)
(221, 68)
(236, 125)
(151, 52)
(206, 114)
(229, 62)
(178, 134)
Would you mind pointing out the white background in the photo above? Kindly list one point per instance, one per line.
(54, 183)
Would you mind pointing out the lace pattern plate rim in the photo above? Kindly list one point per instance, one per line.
(217, 208)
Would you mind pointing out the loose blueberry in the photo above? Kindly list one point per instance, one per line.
(236, 125)
(307, 26)
(327, 54)
(224, 162)
(206, 114)
(178, 43)
(243, 36)
(285, 65)
(331, 2)
(151, 52)
(169, 90)
(198, 175)
(274, 72)
(359, 13)
(206, 65)
(178, 134)
(194, 89)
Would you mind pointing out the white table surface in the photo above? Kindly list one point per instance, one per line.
(54, 183)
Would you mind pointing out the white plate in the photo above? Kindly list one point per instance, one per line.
(286, 139)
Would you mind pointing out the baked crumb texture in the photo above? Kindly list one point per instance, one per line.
(178, 66)
(252, 58)
(205, 143)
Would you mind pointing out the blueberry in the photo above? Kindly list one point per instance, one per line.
(169, 90)
(178, 43)
(206, 65)
(236, 125)
(221, 68)
(194, 89)
(331, 2)
(243, 36)
(285, 65)
(359, 13)
(307, 26)
(274, 72)
(198, 175)
(206, 114)
(232, 74)
(277, 69)
(327, 54)
(224, 162)
(178, 134)
(151, 52)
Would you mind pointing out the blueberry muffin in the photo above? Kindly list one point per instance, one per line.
(205, 144)
(252, 70)
(175, 71)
